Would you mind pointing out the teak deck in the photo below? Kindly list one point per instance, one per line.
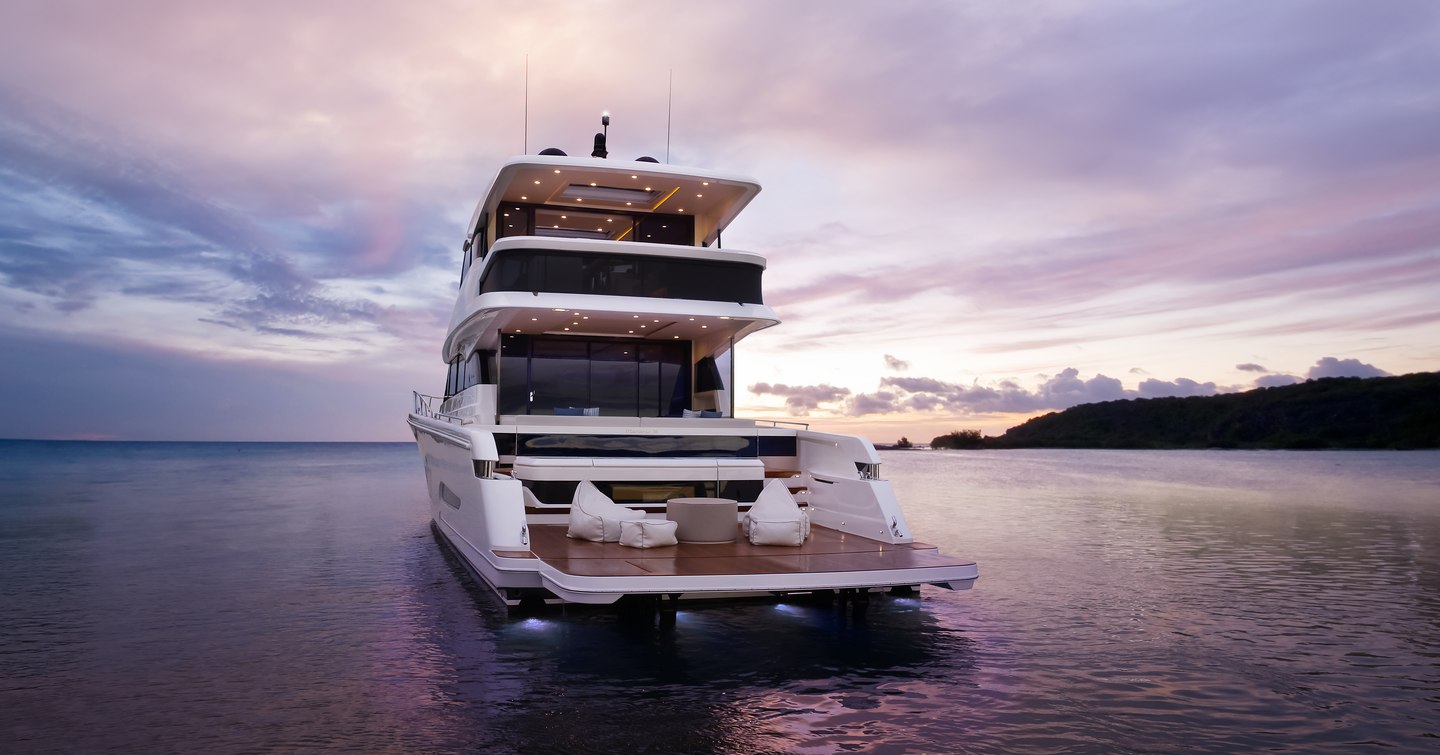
(825, 551)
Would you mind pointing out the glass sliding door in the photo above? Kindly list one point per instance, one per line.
(612, 377)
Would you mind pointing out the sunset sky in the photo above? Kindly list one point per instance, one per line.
(242, 221)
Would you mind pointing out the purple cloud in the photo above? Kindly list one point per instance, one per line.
(1153, 388)
(896, 364)
(1250, 367)
(800, 399)
(1332, 367)
(1275, 381)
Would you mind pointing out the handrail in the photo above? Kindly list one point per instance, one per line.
(779, 422)
(424, 406)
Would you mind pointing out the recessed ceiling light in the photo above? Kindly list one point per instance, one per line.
(537, 182)
(522, 199)
(628, 204)
(585, 317)
(557, 170)
(564, 217)
(692, 319)
(675, 337)
(704, 183)
(635, 316)
(574, 313)
(699, 196)
(704, 326)
(592, 183)
(654, 321)
(557, 309)
(567, 328)
(647, 188)
(534, 319)
(634, 176)
(642, 327)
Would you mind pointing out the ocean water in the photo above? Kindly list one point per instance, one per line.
(163, 597)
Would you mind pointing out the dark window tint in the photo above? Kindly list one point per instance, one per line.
(614, 377)
(623, 275)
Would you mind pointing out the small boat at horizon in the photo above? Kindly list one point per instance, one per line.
(585, 447)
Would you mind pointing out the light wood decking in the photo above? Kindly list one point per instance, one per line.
(826, 551)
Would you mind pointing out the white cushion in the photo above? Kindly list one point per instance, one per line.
(647, 533)
(594, 517)
(776, 519)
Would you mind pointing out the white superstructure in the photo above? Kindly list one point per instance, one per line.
(593, 340)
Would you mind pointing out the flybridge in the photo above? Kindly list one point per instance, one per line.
(556, 195)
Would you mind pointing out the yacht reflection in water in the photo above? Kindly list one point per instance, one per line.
(701, 682)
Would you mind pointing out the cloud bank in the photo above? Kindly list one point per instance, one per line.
(899, 395)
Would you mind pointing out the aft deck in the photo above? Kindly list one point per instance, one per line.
(828, 559)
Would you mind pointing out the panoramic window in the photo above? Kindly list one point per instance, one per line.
(542, 271)
(572, 223)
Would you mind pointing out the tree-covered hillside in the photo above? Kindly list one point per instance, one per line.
(1389, 412)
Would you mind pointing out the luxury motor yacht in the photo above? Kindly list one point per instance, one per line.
(585, 447)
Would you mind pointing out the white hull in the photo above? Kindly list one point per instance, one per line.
(484, 520)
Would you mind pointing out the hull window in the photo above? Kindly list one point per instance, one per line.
(448, 496)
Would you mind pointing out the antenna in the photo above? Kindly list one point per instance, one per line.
(669, 101)
(526, 149)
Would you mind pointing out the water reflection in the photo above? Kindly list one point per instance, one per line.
(749, 676)
(230, 597)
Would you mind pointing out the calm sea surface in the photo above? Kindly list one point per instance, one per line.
(163, 597)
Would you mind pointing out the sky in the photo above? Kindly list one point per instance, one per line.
(242, 221)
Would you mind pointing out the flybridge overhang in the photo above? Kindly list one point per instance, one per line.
(634, 188)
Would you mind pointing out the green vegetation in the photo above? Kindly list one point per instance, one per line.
(959, 439)
(1389, 412)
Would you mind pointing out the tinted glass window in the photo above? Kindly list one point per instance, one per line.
(623, 275)
(666, 229)
(563, 274)
(559, 375)
(616, 377)
(513, 396)
(509, 272)
(513, 221)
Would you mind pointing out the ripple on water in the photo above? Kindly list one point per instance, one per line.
(234, 597)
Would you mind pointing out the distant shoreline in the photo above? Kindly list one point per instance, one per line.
(1386, 413)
